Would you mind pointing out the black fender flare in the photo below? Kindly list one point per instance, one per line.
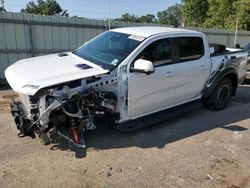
(228, 72)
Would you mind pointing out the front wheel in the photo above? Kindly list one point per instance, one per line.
(44, 138)
(221, 95)
(80, 152)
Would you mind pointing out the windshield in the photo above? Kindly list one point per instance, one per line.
(109, 49)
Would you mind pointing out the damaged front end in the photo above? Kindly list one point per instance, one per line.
(67, 110)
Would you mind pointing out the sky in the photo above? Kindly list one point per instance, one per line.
(99, 8)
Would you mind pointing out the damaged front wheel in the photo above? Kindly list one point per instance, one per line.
(44, 138)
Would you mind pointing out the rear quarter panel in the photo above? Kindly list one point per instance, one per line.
(237, 60)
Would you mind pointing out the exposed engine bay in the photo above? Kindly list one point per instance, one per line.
(69, 110)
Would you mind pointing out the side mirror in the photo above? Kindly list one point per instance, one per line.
(143, 66)
(211, 50)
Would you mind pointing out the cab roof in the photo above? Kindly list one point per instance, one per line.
(147, 31)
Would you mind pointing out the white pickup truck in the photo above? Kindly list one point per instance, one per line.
(130, 77)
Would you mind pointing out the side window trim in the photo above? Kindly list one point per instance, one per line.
(175, 51)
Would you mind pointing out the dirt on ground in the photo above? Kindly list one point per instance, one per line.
(201, 149)
(5, 98)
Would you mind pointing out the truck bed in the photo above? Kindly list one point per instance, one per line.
(230, 57)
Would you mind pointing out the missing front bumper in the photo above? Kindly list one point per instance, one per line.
(22, 122)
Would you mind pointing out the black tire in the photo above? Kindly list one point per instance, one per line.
(44, 138)
(220, 96)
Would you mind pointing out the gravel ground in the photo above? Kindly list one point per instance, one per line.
(199, 149)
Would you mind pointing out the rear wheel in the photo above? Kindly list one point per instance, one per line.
(221, 95)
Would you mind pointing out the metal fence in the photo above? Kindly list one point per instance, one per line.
(27, 35)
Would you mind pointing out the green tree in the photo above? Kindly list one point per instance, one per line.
(194, 12)
(242, 14)
(171, 16)
(127, 18)
(48, 7)
(221, 14)
(2, 9)
(217, 14)
(149, 18)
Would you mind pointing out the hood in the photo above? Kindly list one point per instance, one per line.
(30, 75)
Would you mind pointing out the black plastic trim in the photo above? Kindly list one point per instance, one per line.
(217, 79)
(157, 117)
(141, 71)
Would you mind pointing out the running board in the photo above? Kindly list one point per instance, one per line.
(157, 117)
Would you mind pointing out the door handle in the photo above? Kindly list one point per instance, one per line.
(202, 67)
(169, 73)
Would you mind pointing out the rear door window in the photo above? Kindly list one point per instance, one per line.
(190, 48)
